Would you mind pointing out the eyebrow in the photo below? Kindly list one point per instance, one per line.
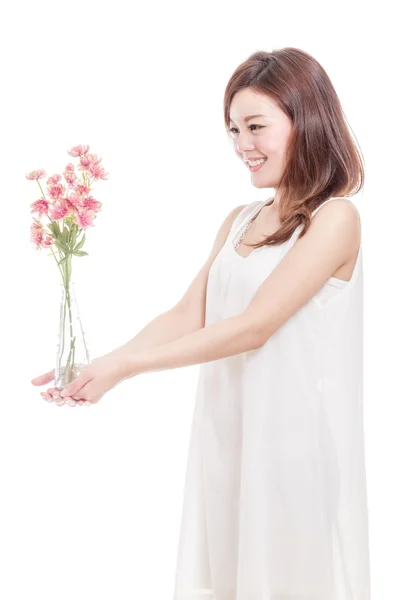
(247, 118)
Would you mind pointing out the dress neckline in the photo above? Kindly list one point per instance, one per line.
(253, 215)
(335, 281)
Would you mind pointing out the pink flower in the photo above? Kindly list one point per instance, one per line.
(74, 201)
(84, 218)
(91, 163)
(38, 174)
(41, 207)
(54, 179)
(69, 195)
(82, 189)
(97, 172)
(56, 191)
(78, 151)
(48, 241)
(88, 159)
(69, 174)
(38, 235)
(90, 203)
(60, 210)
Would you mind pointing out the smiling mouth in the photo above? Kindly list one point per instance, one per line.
(248, 161)
(256, 167)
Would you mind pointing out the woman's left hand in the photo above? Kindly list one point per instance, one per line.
(100, 376)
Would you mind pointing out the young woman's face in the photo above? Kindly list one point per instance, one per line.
(263, 136)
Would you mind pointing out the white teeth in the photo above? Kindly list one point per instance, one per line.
(256, 162)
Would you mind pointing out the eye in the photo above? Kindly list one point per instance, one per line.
(233, 130)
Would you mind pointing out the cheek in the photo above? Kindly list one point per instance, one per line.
(266, 145)
(270, 146)
(274, 141)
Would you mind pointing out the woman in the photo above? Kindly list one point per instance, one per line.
(275, 504)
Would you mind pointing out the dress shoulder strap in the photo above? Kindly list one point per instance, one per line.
(242, 217)
(322, 204)
(299, 228)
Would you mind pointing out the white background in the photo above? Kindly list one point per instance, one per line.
(91, 498)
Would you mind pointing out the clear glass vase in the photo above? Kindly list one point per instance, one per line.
(72, 353)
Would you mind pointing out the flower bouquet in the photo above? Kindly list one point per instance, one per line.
(70, 209)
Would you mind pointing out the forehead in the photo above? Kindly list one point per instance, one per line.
(247, 104)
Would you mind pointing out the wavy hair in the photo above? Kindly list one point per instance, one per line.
(322, 158)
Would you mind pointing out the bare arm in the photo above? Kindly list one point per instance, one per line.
(166, 327)
(188, 315)
(293, 283)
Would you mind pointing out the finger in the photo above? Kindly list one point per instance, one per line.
(53, 391)
(70, 401)
(76, 385)
(85, 401)
(43, 379)
(57, 400)
(84, 393)
(67, 400)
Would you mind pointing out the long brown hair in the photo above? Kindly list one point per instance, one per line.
(322, 159)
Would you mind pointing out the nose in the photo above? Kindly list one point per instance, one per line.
(244, 145)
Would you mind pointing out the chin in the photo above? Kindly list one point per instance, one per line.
(260, 184)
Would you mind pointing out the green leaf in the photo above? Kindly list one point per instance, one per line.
(80, 253)
(62, 260)
(79, 244)
(51, 227)
(54, 227)
(61, 246)
(64, 235)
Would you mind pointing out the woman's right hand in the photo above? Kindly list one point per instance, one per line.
(53, 394)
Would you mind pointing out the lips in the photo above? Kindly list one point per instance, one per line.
(257, 167)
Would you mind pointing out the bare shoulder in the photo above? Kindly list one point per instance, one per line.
(235, 212)
(339, 209)
(326, 248)
(224, 229)
(342, 217)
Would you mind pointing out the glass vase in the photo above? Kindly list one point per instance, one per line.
(72, 353)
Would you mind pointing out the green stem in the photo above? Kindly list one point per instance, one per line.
(51, 248)
(71, 333)
(40, 188)
(63, 338)
(61, 351)
(66, 278)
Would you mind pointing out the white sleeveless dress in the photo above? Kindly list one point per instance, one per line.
(275, 500)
